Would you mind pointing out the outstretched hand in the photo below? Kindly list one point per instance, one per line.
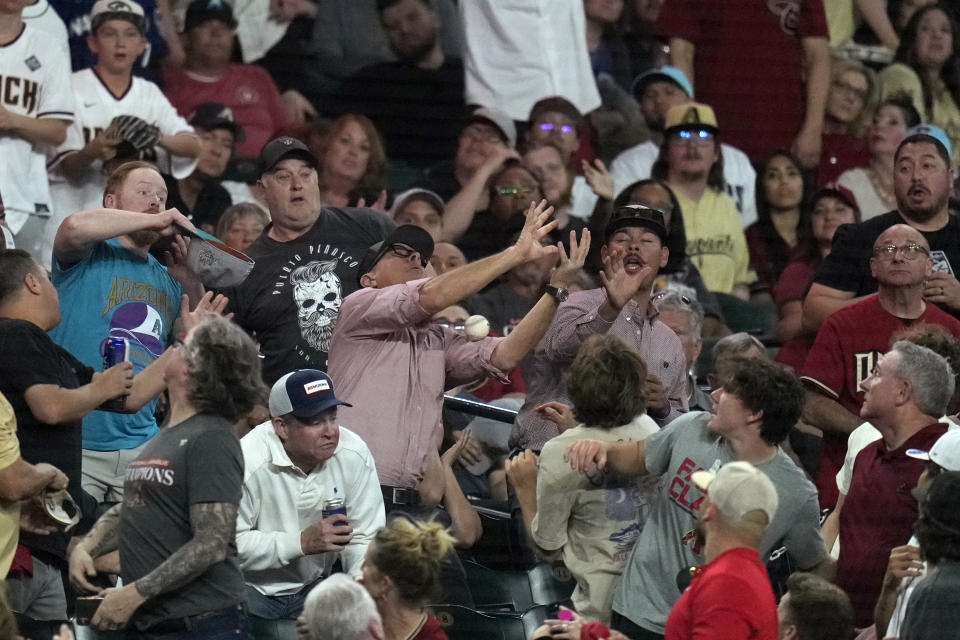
(620, 284)
(567, 270)
(208, 304)
(535, 227)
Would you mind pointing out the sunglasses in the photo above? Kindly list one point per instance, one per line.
(403, 251)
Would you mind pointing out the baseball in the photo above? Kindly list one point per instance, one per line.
(477, 327)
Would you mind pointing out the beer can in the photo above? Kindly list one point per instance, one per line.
(115, 350)
(332, 507)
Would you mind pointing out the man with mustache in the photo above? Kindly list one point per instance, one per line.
(923, 181)
(632, 255)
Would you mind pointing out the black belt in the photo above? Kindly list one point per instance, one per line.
(400, 496)
(190, 623)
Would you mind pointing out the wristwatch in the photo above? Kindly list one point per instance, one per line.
(557, 293)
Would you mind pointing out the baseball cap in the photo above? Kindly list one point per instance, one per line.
(944, 452)
(666, 73)
(837, 192)
(934, 132)
(499, 120)
(737, 489)
(430, 197)
(281, 148)
(409, 234)
(200, 11)
(127, 10)
(304, 393)
(693, 115)
(556, 104)
(215, 115)
(637, 215)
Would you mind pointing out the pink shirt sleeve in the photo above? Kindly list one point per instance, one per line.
(371, 311)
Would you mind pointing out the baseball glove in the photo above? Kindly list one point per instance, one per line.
(135, 131)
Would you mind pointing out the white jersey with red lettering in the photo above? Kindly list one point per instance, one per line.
(34, 82)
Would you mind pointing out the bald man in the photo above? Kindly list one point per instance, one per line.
(850, 341)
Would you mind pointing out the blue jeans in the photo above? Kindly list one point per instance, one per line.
(232, 625)
(274, 617)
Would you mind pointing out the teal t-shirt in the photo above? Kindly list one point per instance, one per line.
(115, 292)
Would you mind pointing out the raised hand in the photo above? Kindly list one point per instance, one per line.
(208, 304)
(599, 179)
(522, 470)
(620, 284)
(567, 270)
(528, 246)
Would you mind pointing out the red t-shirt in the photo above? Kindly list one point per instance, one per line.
(729, 599)
(247, 89)
(794, 283)
(431, 630)
(843, 355)
(748, 64)
(878, 515)
(838, 153)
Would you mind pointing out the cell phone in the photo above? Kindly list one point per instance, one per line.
(86, 607)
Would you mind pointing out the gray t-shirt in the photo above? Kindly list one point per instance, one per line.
(934, 608)
(196, 461)
(667, 544)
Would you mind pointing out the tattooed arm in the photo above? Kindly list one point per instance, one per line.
(103, 538)
(214, 525)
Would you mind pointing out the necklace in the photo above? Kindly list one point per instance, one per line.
(889, 201)
(416, 629)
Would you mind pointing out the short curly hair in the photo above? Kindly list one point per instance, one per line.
(771, 388)
(605, 382)
(224, 369)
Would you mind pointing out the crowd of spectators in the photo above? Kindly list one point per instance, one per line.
(247, 247)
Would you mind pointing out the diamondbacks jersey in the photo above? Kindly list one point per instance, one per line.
(96, 107)
(34, 82)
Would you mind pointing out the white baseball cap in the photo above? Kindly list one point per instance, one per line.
(737, 489)
(945, 451)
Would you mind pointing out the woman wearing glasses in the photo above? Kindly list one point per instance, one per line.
(845, 119)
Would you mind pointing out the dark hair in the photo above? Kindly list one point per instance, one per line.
(676, 234)
(511, 163)
(923, 138)
(224, 365)
(119, 175)
(771, 388)
(556, 104)
(938, 528)
(410, 554)
(715, 179)
(763, 203)
(605, 382)
(818, 609)
(936, 338)
(15, 264)
(949, 73)
(808, 248)
(383, 5)
(911, 117)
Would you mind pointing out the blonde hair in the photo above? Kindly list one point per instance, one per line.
(410, 553)
(840, 66)
(238, 211)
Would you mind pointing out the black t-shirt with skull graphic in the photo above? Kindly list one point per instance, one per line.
(291, 299)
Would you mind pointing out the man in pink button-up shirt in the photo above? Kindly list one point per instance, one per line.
(393, 365)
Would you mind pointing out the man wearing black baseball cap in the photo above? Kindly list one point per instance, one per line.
(385, 346)
(633, 252)
(295, 466)
(307, 261)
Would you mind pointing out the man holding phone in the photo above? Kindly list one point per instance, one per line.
(298, 468)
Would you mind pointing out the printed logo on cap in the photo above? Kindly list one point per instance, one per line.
(119, 5)
(691, 116)
(315, 386)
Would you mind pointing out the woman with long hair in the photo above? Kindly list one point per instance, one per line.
(781, 192)
(927, 69)
(849, 106)
(352, 161)
(402, 573)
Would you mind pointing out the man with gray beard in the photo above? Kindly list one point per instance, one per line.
(306, 262)
(923, 179)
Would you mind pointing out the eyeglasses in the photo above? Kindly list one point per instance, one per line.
(850, 90)
(684, 299)
(910, 251)
(701, 136)
(403, 251)
(515, 191)
(549, 126)
(456, 326)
